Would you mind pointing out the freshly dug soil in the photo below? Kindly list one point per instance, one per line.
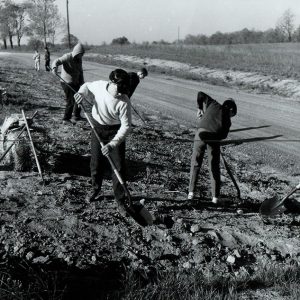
(50, 224)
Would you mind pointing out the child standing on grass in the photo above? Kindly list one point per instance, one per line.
(37, 59)
(214, 126)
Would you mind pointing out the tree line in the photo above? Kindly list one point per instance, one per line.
(41, 21)
(284, 31)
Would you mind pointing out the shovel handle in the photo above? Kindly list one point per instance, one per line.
(231, 176)
(291, 192)
(69, 86)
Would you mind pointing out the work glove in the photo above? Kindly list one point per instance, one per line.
(106, 149)
(54, 70)
(78, 98)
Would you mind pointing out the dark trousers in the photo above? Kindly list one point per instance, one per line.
(99, 161)
(213, 150)
(71, 106)
(47, 65)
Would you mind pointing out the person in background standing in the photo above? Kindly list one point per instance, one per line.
(47, 59)
(37, 59)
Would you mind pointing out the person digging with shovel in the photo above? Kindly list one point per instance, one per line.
(213, 126)
(111, 119)
(72, 79)
(134, 80)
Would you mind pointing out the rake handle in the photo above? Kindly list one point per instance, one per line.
(32, 146)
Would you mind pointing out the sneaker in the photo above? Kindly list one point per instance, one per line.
(190, 196)
(78, 119)
(215, 200)
(94, 196)
(67, 122)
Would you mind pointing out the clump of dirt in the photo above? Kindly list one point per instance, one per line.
(50, 224)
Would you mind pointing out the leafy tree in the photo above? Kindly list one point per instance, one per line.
(73, 40)
(8, 15)
(43, 15)
(35, 44)
(286, 24)
(120, 41)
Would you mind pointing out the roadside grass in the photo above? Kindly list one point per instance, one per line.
(20, 280)
(280, 60)
(283, 280)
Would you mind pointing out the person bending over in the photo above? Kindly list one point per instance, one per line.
(111, 117)
(214, 125)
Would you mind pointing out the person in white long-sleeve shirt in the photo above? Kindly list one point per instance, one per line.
(111, 118)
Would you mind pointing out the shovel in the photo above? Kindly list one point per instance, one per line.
(271, 206)
(138, 212)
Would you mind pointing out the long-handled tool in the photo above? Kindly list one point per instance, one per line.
(138, 212)
(138, 114)
(271, 206)
(32, 146)
(231, 176)
(16, 139)
(69, 86)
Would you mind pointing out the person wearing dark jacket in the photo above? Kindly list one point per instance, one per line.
(134, 80)
(47, 59)
(214, 125)
(72, 74)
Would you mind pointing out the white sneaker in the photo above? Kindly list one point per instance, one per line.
(190, 196)
(215, 200)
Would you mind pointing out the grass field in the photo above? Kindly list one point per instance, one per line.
(281, 60)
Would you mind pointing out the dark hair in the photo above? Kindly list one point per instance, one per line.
(201, 98)
(144, 71)
(121, 78)
(230, 105)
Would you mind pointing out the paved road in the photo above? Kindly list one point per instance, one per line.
(265, 116)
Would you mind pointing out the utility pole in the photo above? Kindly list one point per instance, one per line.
(178, 35)
(68, 24)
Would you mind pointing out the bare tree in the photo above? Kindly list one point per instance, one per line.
(44, 17)
(286, 24)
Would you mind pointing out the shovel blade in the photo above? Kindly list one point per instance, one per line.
(140, 214)
(271, 207)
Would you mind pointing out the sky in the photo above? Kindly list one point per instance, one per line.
(98, 21)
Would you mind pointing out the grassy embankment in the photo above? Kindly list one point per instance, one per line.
(278, 60)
